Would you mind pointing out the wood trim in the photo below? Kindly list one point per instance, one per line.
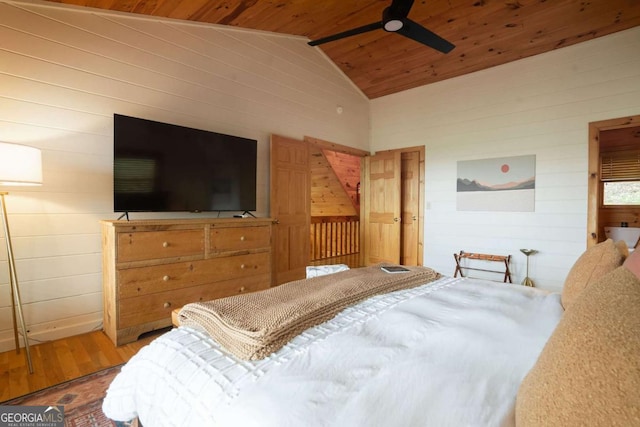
(593, 197)
(327, 145)
(364, 207)
(421, 150)
(334, 218)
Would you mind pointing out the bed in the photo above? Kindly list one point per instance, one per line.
(450, 352)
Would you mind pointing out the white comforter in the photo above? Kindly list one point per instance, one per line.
(449, 353)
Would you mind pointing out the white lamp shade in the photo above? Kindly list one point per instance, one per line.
(20, 165)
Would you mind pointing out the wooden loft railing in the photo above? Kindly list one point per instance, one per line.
(334, 236)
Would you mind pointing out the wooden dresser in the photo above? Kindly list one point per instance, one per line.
(151, 267)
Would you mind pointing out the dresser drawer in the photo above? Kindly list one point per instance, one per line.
(147, 245)
(151, 267)
(158, 306)
(140, 281)
(239, 238)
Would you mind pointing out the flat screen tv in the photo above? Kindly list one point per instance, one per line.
(161, 167)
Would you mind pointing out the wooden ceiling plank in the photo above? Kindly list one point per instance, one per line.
(494, 50)
(179, 10)
(486, 32)
(170, 9)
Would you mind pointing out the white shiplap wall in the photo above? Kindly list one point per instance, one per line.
(540, 105)
(65, 71)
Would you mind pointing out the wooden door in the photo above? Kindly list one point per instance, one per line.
(382, 190)
(290, 203)
(410, 202)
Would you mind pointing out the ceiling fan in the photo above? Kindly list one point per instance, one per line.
(395, 20)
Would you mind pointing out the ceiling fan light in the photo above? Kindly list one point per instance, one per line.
(393, 25)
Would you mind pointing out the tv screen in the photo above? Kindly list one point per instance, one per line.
(160, 167)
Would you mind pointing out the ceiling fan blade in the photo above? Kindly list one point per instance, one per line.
(420, 34)
(400, 8)
(348, 33)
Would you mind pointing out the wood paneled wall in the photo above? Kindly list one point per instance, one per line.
(332, 183)
(64, 73)
(347, 170)
(614, 216)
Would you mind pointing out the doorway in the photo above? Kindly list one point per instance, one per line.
(291, 210)
(393, 207)
(615, 135)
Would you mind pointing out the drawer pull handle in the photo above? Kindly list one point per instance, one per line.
(242, 289)
(242, 238)
(165, 244)
(242, 266)
(167, 304)
(166, 278)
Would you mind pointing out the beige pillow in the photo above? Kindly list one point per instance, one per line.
(588, 373)
(632, 263)
(594, 263)
(622, 247)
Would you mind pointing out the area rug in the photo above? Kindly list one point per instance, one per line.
(81, 398)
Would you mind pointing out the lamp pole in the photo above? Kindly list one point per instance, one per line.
(527, 280)
(20, 165)
(16, 301)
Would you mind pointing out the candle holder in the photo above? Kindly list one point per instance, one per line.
(527, 280)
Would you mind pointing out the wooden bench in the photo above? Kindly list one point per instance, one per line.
(503, 259)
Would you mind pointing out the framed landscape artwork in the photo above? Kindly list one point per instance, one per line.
(498, 184)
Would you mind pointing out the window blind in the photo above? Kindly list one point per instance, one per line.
(620, 166)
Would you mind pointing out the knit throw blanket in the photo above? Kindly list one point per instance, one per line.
(252, 326)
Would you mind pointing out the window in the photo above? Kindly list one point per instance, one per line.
(620, 176)
(621, 193)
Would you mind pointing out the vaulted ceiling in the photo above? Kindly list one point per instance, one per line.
(486, 32)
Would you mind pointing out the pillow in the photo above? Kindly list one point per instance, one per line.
(589, 371)
(622, 247)
(632, 263)
(594, 263)
(321, 270)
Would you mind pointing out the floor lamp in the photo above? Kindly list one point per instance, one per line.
(527, 280)
(19, 166)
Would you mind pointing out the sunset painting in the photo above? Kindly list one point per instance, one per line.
(498, 184)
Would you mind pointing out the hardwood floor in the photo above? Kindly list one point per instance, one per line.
(57, 361)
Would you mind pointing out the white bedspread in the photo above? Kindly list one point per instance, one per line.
(449, 353)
